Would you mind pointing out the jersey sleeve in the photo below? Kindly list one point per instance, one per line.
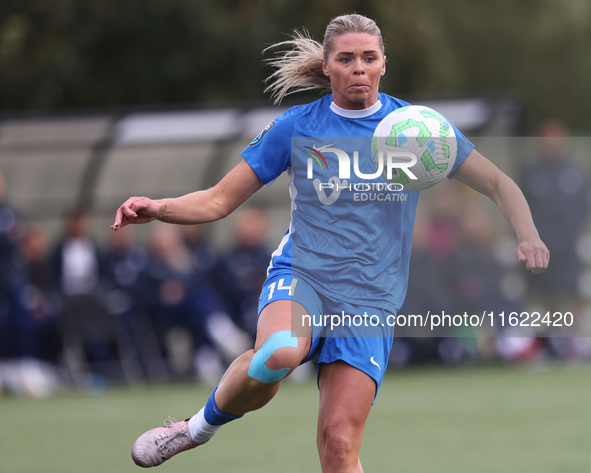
(465, 147)
(269, 154)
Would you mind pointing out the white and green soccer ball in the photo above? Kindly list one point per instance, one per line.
(420, 136)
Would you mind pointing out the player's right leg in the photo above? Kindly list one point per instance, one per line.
(249, 383)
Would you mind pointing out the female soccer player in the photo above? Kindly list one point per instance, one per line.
(339, 256)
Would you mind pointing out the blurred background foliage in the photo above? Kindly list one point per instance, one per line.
(80, 54)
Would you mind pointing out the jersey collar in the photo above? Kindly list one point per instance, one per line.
(356, 113)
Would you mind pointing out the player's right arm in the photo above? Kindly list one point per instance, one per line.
(202, 206)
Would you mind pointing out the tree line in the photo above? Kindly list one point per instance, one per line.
(80, 54)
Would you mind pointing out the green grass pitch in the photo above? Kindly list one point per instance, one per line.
(479, 419)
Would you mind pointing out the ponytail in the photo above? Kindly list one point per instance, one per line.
(298, 68)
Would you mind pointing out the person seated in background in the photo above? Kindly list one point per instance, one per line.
(196, 333)
(244, 266)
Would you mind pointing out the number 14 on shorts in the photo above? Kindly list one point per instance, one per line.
(280, 286)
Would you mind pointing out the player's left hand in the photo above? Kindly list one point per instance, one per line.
(534, 254)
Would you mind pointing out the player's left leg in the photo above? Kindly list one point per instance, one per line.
(346, 397)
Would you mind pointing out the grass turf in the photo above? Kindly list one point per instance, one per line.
(424, 420)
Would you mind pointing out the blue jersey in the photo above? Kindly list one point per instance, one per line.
(351, 230)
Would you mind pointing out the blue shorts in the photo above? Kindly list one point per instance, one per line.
(360, 336)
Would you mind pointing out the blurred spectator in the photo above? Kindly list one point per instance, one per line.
(90, 335)
(482, 284)
(40, 298)
(20, 351)
(78, 261)
(244, 266)
(425, 293)
(431, 287)
(196, 332)
(15, 340)
(441, 235)
(125, 260)
(558, 194)
(478, 275)
(205, 257)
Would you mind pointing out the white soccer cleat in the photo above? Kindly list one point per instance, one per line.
(157, 445)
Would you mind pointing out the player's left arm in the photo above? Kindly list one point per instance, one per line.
(483, 176)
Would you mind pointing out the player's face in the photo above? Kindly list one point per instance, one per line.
(355, 66)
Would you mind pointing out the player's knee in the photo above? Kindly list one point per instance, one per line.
(337, 447)
(283, 358)
(276, 358)
(339, 441)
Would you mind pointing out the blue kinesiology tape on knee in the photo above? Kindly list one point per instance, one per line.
(258, 369)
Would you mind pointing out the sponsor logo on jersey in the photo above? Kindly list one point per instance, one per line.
(262, 134)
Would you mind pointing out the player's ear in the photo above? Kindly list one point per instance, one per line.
(324, 69)
(383, 67)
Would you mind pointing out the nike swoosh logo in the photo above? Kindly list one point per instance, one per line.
(374, 362)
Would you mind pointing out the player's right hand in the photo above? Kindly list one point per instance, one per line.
(136, 210)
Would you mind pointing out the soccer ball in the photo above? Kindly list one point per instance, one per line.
(415, 146)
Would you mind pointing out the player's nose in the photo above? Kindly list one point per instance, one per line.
(359, 68)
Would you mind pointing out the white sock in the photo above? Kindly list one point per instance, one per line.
(201, 430)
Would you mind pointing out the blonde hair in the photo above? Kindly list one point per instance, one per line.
(298, 63)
